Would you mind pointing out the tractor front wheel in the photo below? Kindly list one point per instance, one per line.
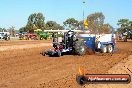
(59, 53)
(41, 38)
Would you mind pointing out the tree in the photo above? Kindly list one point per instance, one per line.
(12, 31)
(95, 21)
(123, 24)
(35, 21)
(23, 29)
(3, 30)
(53, 25)
(106, 28)
(71, 23)
(130, 25)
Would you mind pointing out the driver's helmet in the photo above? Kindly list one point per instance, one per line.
(70, 33)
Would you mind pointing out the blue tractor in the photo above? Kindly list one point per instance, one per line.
(80, 44)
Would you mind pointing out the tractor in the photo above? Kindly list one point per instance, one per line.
(130, 34)
(41, 35)
(27, 36)
(70, 45)
(125, 35)
(79, 44)
(5, 36)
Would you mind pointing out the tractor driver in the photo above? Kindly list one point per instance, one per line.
(55, 37)
(6, 36)
(70, 40)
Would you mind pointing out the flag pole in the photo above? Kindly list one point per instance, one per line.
(83, 14)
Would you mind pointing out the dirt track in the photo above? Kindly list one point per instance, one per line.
(26, 68)
(22, 42)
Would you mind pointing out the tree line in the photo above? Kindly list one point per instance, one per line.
(95, 22)
(37, 21)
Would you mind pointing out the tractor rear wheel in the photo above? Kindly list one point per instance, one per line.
(109, 49)
(104, 49)
(80, 48)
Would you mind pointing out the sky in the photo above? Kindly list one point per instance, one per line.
(16, 12)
